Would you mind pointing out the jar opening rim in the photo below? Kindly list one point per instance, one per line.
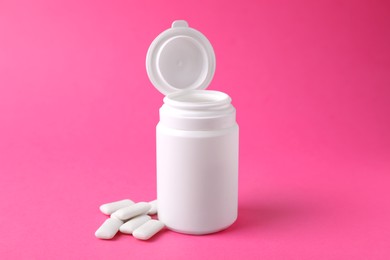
(197, 98)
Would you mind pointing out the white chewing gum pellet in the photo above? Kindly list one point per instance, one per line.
(148, 229)
(113, 216)
(111, 207)
(134, 223)
(153, 209)
(132, 211)
(109, 228)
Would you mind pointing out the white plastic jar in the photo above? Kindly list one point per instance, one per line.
(197, 136)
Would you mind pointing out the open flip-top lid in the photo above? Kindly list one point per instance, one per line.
(180, 58)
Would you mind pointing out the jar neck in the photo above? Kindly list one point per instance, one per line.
(197, 110)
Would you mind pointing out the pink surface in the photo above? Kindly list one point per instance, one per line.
(310, 81)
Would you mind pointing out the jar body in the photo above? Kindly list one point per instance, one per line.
(197, 166)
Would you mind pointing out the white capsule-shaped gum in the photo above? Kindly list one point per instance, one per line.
(109, 228)
(153, 209)
(134, 223)
(132, 211)
(111, 207)
(113, 216)
(149, 229)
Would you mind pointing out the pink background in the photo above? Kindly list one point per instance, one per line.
(310, 81)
